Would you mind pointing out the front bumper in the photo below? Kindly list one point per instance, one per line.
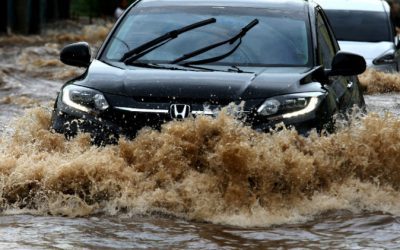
(107, 128)
(102, 132)
(123, 123)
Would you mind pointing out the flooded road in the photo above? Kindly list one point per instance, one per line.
(346, 231)
(197, 184)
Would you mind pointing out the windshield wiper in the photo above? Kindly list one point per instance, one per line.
(154, 66)
(232, 40)
(236, 69)
(149, 46)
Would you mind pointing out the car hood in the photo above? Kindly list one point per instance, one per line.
(189, 84)
(368, 50)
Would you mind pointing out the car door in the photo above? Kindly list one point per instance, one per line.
(327, 48)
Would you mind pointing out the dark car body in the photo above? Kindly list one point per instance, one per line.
(127, 97)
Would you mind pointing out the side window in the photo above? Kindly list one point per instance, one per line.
(326, 48)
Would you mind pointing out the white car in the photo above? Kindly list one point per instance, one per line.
(364, 27)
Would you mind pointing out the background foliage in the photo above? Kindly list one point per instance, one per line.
(94, 8)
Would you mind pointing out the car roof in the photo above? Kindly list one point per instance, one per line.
(294, 5)
(358, 5)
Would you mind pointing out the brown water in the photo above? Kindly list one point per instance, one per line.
(204, 183)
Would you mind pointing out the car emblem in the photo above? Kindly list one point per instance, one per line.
(179, 111)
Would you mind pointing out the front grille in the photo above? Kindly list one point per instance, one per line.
(130, 120)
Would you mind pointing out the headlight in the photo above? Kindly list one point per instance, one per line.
(289, 106)
(269, 107)
(84, 99)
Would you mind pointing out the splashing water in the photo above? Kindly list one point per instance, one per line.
(215, 170)
(203, 169)
(374, 81)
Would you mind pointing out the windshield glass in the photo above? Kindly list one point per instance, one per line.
(361, 26)
(280, 38)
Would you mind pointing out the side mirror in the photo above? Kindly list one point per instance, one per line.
(347, 64)
(76, 54)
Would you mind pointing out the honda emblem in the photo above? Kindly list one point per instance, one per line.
(179, 111)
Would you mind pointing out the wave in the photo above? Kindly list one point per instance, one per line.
(205, 169)
(374, 81)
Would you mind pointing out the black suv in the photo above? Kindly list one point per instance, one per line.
(171, 59)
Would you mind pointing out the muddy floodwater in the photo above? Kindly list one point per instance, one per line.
(198, 184)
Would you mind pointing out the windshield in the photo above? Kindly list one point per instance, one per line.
(361, 26)
(280, 38)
